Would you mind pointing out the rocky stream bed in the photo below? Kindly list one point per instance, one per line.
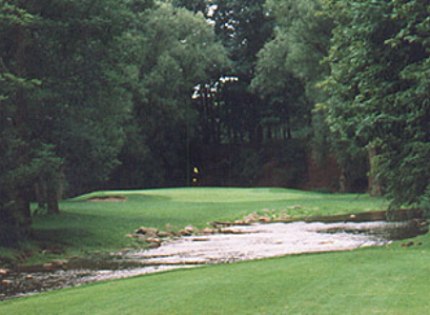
(227, 243)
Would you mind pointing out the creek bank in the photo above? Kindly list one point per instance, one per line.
(223, 243)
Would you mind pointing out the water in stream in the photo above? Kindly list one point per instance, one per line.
(234, 243)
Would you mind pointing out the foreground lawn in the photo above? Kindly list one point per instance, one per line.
(87, 227)
(388, 280)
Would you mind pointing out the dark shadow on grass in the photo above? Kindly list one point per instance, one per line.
(62, 230)
(59, 236)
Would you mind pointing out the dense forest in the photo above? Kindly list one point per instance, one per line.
(118, 94)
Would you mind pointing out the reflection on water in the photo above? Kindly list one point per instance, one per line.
(235, 244)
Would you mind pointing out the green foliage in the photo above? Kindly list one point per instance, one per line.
(17, 164)
(243, 27)
(304, 34)
(193, 5)
(12, 14)
(289, 70)
(425, 202)
(379, 87)
(282, 91)
(62, 99)
(76, 100)
(84, 93)
(177, 50)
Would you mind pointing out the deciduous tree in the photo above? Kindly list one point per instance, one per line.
(379, 89)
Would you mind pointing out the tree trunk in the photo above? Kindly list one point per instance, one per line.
(374, 184)
(61, 183)
(52, 198)
(21, 190)
(289, 136)
(343, 181)
(22, 207)
(40, 192)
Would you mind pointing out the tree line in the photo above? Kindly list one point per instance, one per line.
(124, 93)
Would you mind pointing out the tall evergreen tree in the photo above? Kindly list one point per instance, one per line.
(21, 157)
(62, 101)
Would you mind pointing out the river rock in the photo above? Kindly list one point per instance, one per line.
(53, 250)
(264, 219)
(4, 272)
(231, 230)
(140, 237)
(164, 234)
(283, 217)
(187, 231)
(148, 231)
(48, 266)
(155, 240)
(208, 231)
(190, 229)
(60, 262)
(251, 218)
(184, 233)
(6, 283)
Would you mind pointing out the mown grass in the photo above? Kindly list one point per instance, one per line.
(86, 227)
(387, 280)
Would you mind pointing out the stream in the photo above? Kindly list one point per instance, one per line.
(233, 243)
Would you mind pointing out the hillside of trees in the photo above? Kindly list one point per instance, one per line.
(317, 94)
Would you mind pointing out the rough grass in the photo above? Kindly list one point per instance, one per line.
(86, 227)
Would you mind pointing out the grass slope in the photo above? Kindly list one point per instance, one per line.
(101, 226)
(388, 280)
